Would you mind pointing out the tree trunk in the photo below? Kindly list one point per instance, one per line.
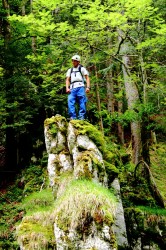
(6, 25)
(144, 78)
(132, 97)
(120, 109)
(98, 102)
(145, 133)
(23, 10)
(110, 92)
(34, 44)
(153, 138)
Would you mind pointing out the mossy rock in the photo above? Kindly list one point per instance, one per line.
(84, 127)
(87, 163)
(54, 119)
(82, 168)
(54, 123)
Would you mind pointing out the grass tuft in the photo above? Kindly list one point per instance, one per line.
(38, 201)
(84, 200)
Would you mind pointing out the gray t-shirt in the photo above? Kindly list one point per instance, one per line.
(76, 77)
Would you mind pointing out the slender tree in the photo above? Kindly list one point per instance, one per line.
(132, 97)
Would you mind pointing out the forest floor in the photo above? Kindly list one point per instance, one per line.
(158, 166)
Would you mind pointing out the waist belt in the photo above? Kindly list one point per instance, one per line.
(76, 84)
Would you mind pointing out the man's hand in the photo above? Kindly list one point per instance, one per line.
(87, 84)
(68, 90)
(87, 90)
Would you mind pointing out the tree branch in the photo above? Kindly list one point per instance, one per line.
(114, 56)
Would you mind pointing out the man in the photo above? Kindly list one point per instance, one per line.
(76, 89)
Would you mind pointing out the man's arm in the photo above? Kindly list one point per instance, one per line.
(68, 84)
(87, 83)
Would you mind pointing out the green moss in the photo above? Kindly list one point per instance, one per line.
(84, 127)
(53, 130)
(57, 149)
(111, 170)
(83, 162)
(53, 119)
(58, 167)
(108, 150)
(87, 159)
(53, 124)
(36, 232)
(36, 229)
(109, 156)
(113, 241)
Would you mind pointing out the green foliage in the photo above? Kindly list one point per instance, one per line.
(34, 177)
(150, 210)
(111, 171)
(62, 28)
(10, 214)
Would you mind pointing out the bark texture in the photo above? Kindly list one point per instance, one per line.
(132, 97)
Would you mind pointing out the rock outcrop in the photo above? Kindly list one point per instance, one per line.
(88, 211)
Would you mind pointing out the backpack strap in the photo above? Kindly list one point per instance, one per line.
(79, 68)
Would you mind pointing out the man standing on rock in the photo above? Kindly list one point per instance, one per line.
(75, 87)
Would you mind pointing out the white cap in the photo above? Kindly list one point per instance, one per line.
(76, 57)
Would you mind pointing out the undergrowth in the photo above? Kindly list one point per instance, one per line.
(13, 202)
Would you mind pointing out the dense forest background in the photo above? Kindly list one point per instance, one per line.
(122, 44)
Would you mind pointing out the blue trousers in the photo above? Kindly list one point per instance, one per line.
(77, 95)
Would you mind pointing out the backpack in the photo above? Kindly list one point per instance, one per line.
(79, 70)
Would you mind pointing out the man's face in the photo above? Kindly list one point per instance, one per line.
(75, 63)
